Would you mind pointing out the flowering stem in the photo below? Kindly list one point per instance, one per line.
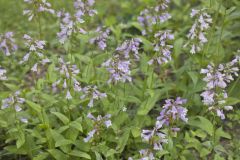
(39, 26)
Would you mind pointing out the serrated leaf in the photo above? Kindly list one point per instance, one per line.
(77, 125)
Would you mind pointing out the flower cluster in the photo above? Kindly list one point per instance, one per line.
(84, 7)
(68, 23)
(101, 39)
(3, 74)
(69, 73)
(7, 43)
(162, 48)
(37, 6)
(154, 15)
(36, 48)
(130, 46)
(119, 69)
(99, 123)
(14, 101)
(172, 111)
(93, 93)
(155, 138)
(217, 79)
(197, 33)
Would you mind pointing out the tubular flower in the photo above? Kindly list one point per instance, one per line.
(7, 43)
(37, 6)
(217, 79)
(197, 34)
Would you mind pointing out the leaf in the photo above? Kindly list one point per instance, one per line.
(77, 125)
(62, 117)
(12, 87)
(178, 47)
(20, 139)
(81, 154)
(98, 156)
(63, 142)
(202, 123)
(220, 133)
(123, 141)
(194, 77)
(148, 104)
(58, 155)
(34, 106)
(41, 156)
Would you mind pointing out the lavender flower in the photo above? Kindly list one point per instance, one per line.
(162, 48)
(197, 33)
(155, 138)
(119, 69)
(36, 48)
(130, 46)
(3, 74)
(99, 122)
(7, 43)
(93, 93)
(101, 39)
(154, 15)
(67, 27)
(37, 7)
(217, 79)
(84, 7)
(13, 100)
(173, 111)
(68, 79)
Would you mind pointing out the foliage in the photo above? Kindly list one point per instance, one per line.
(103, 80)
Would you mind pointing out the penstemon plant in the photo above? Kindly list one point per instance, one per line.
(119, 80)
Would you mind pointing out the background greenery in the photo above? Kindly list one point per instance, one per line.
(48, 136)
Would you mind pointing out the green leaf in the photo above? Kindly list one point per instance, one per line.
(81, 154)
(194, 77)
(63, 142)
(41, 156)
(148, 104)
(20, 139)
(58, 155)
(98, 156)
(77, 125)
(62, 117)
(34, 106)
(202, 123)
(123, 141)
(220, 133)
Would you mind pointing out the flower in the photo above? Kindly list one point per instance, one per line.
(84, 7)
(173, 111)
(3, 74)
(154, 15)
(119, 69)
(35, 49)
(15, 101)
(68, 79)
(162, 48)
(197, 34)
(217, 79)
(93, 93)
(130, 46)
(99, 122)
(101, 39)
(7, 43)
(38, 6)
